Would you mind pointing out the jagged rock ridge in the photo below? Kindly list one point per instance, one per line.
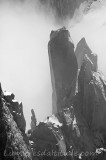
(14, 143)
(79, 126)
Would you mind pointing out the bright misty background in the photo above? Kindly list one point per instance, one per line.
(24, 63)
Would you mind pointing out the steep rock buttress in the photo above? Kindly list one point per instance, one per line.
(63, 66)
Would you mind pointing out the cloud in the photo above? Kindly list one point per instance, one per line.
(24, 66)
(92, 27)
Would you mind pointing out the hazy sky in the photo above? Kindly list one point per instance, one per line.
(24, 64)
(93, 28)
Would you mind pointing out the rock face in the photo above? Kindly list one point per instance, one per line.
(16, 110)
(63, 65)
(13, 140)
(92, 92)
(82, 49)
(78, 130)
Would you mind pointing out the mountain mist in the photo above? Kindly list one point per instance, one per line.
(25, 28)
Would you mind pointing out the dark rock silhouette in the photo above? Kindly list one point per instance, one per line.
(33, 120)
(92, 91)
(16, 109)
(14, 143)
(63, 65)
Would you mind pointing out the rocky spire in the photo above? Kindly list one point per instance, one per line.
(82, 49)
(63, 67)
